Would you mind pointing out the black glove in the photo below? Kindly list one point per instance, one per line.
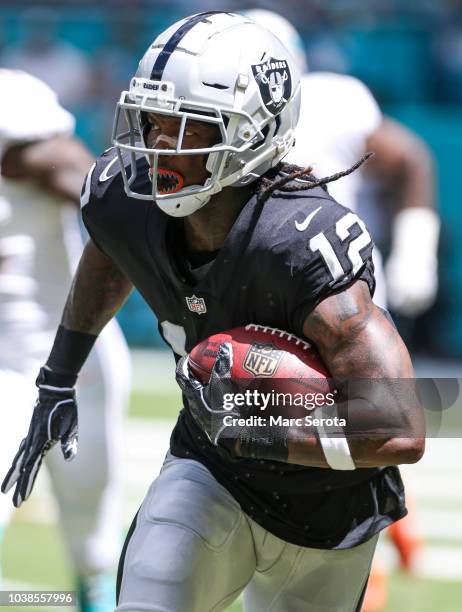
(206, 405)
(54, 419)
(205, 402)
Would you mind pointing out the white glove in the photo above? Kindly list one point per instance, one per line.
(412, 267)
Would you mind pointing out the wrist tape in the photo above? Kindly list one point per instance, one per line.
(70, 350)
(334, 442)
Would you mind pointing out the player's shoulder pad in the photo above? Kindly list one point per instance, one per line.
(304, 228)
(301, 213)
(104, 180)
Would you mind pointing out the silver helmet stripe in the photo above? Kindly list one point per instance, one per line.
(172, 43)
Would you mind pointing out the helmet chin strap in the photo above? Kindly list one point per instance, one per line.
(185, 205)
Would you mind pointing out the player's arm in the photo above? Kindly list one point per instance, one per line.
(58, 165)
(404, 166)
(369, 364)
(362, 348)
(98, 291)
(403, 161)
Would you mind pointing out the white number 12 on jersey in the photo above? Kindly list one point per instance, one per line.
(342, 228)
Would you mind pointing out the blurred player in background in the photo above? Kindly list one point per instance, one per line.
(42, 171)
(339, 121)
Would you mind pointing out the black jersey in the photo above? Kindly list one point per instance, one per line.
(279, 260)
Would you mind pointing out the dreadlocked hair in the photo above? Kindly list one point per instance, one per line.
(267, 185)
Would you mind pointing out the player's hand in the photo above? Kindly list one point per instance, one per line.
(205, 402)
(54, 419)
(209, 405)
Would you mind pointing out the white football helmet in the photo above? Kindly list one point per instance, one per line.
(222, 69)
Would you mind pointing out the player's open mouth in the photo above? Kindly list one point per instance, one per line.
(168, 181)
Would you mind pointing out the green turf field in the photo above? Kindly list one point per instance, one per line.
(33, 555)
(160, 405)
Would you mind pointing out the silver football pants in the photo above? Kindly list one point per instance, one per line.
(192, 549)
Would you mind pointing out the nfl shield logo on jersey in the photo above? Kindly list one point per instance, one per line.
(196, 304)
(274, 82)
(262, 359)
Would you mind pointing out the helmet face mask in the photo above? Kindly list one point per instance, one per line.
(252, 99)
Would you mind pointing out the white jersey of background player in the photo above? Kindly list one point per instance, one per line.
(40, 243)
(339, 121)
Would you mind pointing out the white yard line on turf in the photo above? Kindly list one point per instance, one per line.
(437, 562)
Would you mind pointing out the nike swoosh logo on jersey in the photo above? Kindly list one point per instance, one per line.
(104, 174)
(301, 227)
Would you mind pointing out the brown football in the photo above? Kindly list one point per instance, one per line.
(261, 352)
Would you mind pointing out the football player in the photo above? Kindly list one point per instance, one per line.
(194, 206)
(42, 169)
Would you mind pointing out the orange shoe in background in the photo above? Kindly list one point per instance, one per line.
(376, 596)
(407, 539)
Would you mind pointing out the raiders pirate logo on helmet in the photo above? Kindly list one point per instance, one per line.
(274, 82)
